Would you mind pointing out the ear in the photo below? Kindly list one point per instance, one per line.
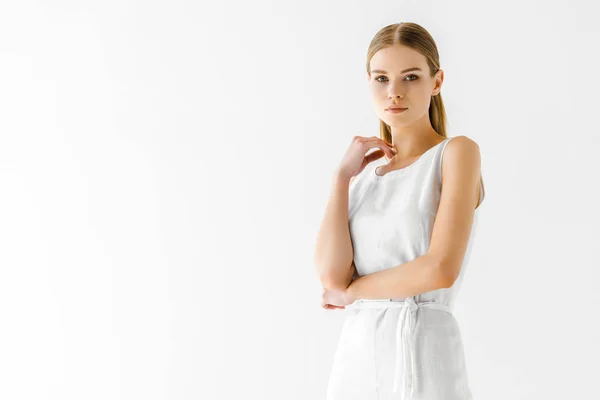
(439, 81)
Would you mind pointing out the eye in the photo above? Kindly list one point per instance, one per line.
(408, 76)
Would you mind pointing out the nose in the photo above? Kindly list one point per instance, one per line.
(396, 96)
(396, 90)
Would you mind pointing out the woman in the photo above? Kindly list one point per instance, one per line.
(395, 241)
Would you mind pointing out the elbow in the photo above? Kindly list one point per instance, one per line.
(332, 281)
(444, 273)
(332, 284)
(446, 281)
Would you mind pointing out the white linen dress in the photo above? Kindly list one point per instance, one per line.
(408, 348)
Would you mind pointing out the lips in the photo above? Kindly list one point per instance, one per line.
(396, 108)
(395, 111)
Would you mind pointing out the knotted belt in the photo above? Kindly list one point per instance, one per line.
(404, 336)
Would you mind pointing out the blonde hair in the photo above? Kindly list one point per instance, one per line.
(417, 38)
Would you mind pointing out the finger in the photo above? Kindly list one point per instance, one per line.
(386, 148)
(376, 155)
(373, 141)
(332, 307)
(376, 139)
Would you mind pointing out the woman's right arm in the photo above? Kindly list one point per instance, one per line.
(333, 251)
(334, 254)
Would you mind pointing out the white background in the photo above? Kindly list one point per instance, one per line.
(164, 168)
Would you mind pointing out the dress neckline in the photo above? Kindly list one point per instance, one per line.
(409, 165)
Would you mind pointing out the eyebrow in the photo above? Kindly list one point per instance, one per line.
(378, 71)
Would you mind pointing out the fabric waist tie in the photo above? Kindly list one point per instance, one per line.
(404, 336)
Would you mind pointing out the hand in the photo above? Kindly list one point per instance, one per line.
(332, 299)
(355, 161)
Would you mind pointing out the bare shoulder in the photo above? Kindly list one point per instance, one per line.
(461, 151)
(463, 144)
(461, 165)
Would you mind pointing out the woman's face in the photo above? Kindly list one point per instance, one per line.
(393, 81)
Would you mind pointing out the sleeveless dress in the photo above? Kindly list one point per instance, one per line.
(405, 348)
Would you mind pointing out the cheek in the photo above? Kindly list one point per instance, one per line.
(379, 88)
(372, 88)
(378, 92)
